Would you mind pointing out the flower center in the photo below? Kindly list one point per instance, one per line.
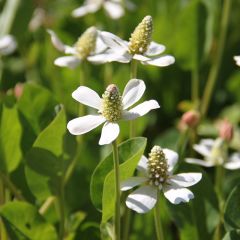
(86, 43)
(157, 166)
(141, 37)
(112, 104)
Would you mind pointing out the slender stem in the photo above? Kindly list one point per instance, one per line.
(61, 202)
(107, 74)
(117, 191)
(133, 73)
(3, 234)
(8, 183)
(216, 65)
(157, 220)
(195, 87)
(127, 221)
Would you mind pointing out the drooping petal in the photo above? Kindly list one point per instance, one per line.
(133, 92)
(143, 199)
(140, 57)
(233, 162)
(100, 45)
(199, 162)
(110, 131)
(140, 110)
(85, 9)
(172, 158)
(177, 195)
(8, 45)
(113, 9)
(68, 61)
(87, 97)
(203, 149)
(132, 182)
(142, 165)
(237, 59)
(114, 42)
(59, 45)
(161, 61)
(84, 124)
(155, 49)
(185, 179)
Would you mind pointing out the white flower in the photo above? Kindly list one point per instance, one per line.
(88, 47)
(157, 175)
(237, 59)
(111, 108)
(8, 45)
(140, 47)
(114, 8)
(215, 153)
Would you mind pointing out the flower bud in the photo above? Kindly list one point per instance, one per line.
(112, 103)
(18, 90)
(141, 37)
(191, 118)
(157, 166)
(226, 130)
(86, 43)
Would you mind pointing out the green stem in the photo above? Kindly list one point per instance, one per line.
(61, 202)
(3, 234)
(216, 65)
(195, 87)
(107, 74)
(157, 220)
(43, 209)
(117, 191)
(133, 73)
(7, 182)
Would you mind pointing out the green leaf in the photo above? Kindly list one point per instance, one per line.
(232, 210)
(232, 235)
(22, 219)
(10, 139)
(130, 152)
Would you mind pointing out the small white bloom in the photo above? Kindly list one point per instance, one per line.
(114, 8)
(237, 59)
(140, 47)
(89, 46)
(157, 175)
(8, 45)
(215, 153)
(111, 108)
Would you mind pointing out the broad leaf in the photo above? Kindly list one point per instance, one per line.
(10, 140)
(232, 210)
(130, 152)
(23, 221)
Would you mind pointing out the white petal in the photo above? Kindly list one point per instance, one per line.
(85, 9)
(140, 110)
(110, 132)
(114, 9)
(155, 49)
(199, 162)
(114, 42)
(109, 56)
(177, 195)
(162, 61)
(141, 57)
(208, 142)
(172, 158)
(142, 164)
(87, 97)
(237, 59)
(68, 61)
(8, 45)
(100, 45)
(143, 199)
(202, 149)
(132, 182)
(234, 162)
(84, 124)
(58, 44)
(185, 179)
(133, 92)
